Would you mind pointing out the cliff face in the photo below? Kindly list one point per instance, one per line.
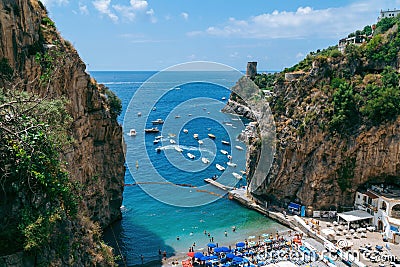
(95, 159)
(314, 165)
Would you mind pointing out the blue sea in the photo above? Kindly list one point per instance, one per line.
(167, 205)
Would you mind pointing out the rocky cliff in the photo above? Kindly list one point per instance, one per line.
(94, 159)
(337, 125)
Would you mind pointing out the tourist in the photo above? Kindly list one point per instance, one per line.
(226, 234)
(142, 258)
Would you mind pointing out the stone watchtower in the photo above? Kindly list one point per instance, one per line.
(251, 70)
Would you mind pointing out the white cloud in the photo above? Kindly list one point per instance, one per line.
(139, 4)
(103, 6)
(300, 55)
(234, 55)
(54, 2)
(152, 16)
(83, 9)
(301, 23)
(185, 15)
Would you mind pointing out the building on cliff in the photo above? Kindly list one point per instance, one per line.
(251, 70)
(388, 13)
(356, 40)
(383, 203)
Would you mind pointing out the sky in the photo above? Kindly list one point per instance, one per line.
(156, 34)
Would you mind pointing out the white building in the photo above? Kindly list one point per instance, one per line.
(384, 204)
(388, 14)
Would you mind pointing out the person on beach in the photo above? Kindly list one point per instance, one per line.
(165, 255)
(142, 258)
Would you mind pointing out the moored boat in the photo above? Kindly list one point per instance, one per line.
(225, 143)
(231, 164)
(172, 141)
(205, 160)
(211, 136)
(156, 141)
(151, 130)
(195, 136)
(224, 152)
(237, 175)
(132, 132)
(200, 142)
(185, 130)
(190, 155)
(239, 147)
(139, 114)
(177, 148)
(219, 167)
(158, 121)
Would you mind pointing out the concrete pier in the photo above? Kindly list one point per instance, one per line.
(219, 185)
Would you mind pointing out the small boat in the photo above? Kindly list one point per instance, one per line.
(172, 141)
(219, 167)
(177, 148)
(243, 172)
(211, 136)
(156, 141)
(204, 108)
(224, 152)
(158, 121)
(200, 142)
(185, 130)
(137, 165)
(190, 155)
(177, 88)
(139, 114)
(171, 135)
(229, 124)
(177, 117)
(237, 175)
(154, 108)
(223, 98)
(205, 160)
(231, 164)
(239, 147)
(159, 136)
(229, 157)
(151, 130)
(189, 115)
(132, 132)
(158, 149)
(195, 136)
(225, 143)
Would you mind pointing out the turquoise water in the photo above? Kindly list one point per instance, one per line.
(156, 211)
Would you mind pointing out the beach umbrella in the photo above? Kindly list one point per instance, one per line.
(190, 254)
(213, 257)
(218, 250)
(198, 255)
(225, 249)
(265, 235)
(204, 258)
(240, 244)
(267, 240)
(211, 245)
(238, 259)
(230, 255)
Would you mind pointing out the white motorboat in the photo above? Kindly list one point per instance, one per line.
(225, 143)
(205, 160)
(156, 141)
(239, 147)
(172, 141)
(243, 172)
(158, 121)
(154, 108)
(151, 130)
(229, 157)
(223, 98)
(231, 164)
(185, 130)
(224, 152)
(219, 167)
(237, 175)
(195, 136)
(139, 114)
(159, 136)
(200, 142)
(190, 155)
(211, 136)
(177, 117)
(177, 148)
(132, 132)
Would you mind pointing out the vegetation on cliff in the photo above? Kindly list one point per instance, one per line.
(324, 106)
(44, 211)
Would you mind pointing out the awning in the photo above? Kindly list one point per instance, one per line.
(294, 206)
(355, 215)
